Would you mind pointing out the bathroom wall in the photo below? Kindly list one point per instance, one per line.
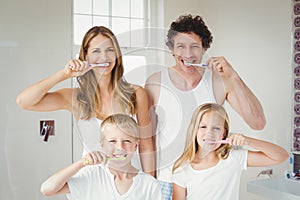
(255, 37)
(35, 41)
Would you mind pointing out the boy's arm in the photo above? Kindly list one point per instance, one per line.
(267, 153)
(57, 183)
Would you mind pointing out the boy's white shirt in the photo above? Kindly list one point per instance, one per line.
(97, 182)
(221, 181)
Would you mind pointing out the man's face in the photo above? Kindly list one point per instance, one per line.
(187, 48)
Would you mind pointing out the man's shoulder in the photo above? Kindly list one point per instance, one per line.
(154, 77)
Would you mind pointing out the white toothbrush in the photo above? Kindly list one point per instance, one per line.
(99, 65)
(216, 141)
(194, 64)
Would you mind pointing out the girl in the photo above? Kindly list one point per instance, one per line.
(101, 91)
(209, 168)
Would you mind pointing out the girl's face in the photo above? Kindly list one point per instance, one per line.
(211, 128)
(101, 51)
(118, 144)
(187, 48)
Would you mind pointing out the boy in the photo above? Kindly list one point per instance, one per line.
(113, 177)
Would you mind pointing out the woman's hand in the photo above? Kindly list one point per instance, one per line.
(76, 67)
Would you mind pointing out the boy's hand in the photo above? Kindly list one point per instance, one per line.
(93, 158)
(237, 139)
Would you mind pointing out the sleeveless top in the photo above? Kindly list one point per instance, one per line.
(174, 110)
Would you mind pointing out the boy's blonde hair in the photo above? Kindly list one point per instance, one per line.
(124, 122)
(191, 145)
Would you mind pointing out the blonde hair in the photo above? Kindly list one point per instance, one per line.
(124, 122)
(88, 95)
(191, 145)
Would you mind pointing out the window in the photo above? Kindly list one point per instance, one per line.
(130, 22)
(126, 18)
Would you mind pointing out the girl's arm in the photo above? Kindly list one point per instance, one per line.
(178, 193)
(58, 182)
(146, 147)
(38, 98)
(267, 153)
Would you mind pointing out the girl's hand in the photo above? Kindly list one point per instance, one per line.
(238, 140)
(76, 68)
(94, 158)
(221, 66)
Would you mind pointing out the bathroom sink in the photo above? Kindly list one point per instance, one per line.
(276, 188)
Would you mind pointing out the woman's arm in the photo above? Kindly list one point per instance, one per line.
(267, 153)
(146, 147)
(58, 182)
(178, 193)
(38, 98)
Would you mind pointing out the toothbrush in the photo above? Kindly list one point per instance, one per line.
(87, 161)
(194, 64)
(116, 158)
(216, 141)
(99, 65)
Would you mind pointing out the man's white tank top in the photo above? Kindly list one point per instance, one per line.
(174, 110)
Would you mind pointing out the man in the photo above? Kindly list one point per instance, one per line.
(175, 92)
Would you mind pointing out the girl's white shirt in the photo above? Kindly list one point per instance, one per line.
(221, 181)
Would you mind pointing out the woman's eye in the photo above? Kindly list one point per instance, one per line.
(96, 51)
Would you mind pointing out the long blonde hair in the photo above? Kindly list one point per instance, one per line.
(191, 145)
(88, 95)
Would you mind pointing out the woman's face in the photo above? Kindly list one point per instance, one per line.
(211, 129)
(102, 52)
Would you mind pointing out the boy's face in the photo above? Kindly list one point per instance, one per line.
(187, 47)
(118, 143)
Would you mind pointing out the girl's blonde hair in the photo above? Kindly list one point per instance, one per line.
(191, 145)
(88, 95)
(124, 122)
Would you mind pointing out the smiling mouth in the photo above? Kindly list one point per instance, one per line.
(118, 157)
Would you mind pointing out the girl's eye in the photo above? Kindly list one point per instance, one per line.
(202, 126)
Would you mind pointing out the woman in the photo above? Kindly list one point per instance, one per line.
(101, 91)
